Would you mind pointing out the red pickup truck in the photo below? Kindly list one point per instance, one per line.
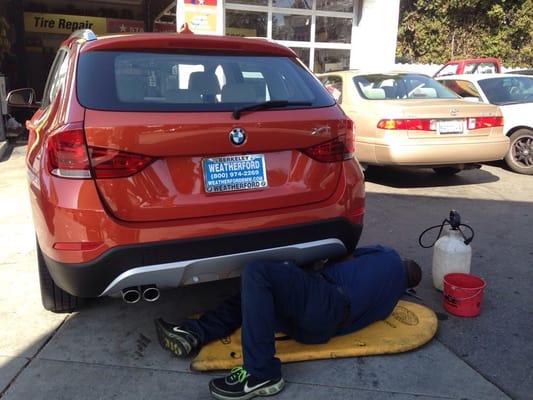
(488, 65)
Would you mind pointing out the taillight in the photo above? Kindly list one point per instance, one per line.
(109, 163)
(67, 154)
(68, 157)
(339, 149)
(412, 124)
(427, 124)
(484, 122)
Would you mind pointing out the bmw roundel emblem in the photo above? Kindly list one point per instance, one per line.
(237, 136)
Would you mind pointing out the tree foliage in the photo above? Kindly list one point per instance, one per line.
(435, 31)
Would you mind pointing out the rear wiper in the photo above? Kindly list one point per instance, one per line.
(268, 104)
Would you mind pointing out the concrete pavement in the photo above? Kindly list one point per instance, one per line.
(498, 204)
(109, 349)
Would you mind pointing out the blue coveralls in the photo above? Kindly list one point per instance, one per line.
(310, 307)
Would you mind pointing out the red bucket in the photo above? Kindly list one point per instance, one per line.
(463, 294)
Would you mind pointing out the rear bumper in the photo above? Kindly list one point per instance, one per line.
(188, 261)
(441, 153)
(68, 210)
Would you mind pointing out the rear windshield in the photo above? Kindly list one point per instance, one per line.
(401, 86)
(150, 81)
(508, 90)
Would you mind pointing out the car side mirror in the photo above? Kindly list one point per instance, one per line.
(472, 99)
(25, 97)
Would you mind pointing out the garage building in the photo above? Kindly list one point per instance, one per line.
(326, 34)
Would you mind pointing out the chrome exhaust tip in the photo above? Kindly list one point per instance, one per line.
(131, 295)
(150, 293)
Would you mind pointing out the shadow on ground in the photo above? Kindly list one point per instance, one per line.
(401, 177)
(20, 142)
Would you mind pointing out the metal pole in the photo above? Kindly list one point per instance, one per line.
(2, 130)
(148, 21)
(3, 107)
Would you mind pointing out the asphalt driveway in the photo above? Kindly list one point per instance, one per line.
(109, 349)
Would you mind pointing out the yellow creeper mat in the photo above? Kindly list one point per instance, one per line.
(409, 326)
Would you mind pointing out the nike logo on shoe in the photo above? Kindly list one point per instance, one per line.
(251, 389)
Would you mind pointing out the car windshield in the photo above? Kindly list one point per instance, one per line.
(155, 81)
(400, 86)
(508, 90)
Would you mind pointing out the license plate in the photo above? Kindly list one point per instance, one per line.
(451, 126)
(229, 173)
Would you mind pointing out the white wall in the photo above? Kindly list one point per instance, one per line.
(374, 39)
(428, 69)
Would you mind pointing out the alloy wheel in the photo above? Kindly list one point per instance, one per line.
(523, 151)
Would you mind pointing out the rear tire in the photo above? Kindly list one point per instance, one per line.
(447, 171)
(520, 155)
(53, 297)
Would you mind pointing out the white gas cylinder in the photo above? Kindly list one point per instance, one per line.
(450, 254)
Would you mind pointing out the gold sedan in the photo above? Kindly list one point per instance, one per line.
(410, 119)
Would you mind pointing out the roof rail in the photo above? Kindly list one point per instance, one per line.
(85, 34)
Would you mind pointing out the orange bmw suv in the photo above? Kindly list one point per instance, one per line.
(162, 160)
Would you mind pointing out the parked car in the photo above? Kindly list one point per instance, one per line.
(410, 119)
(486, 65)
(160, 160)
(514, 95)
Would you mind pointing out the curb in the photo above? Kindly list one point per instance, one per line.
(4, 146)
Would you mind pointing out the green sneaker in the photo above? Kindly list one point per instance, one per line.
(240, 385)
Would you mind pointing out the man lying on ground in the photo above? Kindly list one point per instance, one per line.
(309, 306)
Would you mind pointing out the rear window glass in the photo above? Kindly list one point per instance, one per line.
(450, 69)
(401, 86)
(149, 81)
(480, 68)
(462, 88)
(508, 90)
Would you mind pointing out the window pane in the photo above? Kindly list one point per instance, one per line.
(335, 5)
(480, 68)
(462, 88)
(507, 90)
(246, 23)
(450, 69)
(257, 81)
(52, 75)
(204, 81)
(334, 85)
(331, 60)
(250, 2)
(333, 30)
(400, 86)
(302, 53)
(293, 3)
(291, 27)
(59, 79)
